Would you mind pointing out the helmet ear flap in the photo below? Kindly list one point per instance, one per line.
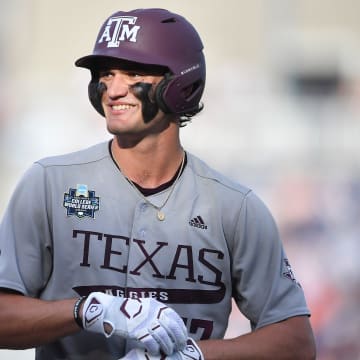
(179, 94)
(95, 91)
(159, 94)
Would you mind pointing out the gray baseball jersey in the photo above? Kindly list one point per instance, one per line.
(75, 225)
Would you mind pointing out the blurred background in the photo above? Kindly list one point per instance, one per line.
(282, 116)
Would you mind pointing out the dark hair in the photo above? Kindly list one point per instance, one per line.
(187, 117)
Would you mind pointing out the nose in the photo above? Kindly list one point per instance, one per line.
(117, 87)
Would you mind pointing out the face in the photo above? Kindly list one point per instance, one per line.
(124, 110)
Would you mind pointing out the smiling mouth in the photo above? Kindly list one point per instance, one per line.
(121, 107)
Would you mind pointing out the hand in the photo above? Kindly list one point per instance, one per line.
(155, 325)
(190, 352)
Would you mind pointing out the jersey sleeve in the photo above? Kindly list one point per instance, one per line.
(25, 246)
(264, 286)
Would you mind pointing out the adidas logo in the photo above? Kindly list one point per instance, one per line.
(198, 222)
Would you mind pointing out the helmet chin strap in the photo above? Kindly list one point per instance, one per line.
(143, 91)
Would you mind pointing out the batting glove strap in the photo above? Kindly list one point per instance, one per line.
(191, 351)
(93, 313)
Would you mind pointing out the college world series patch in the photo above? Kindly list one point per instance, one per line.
(81, 202)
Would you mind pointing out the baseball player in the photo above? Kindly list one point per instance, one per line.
(134, 248)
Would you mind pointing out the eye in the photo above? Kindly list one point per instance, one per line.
(105, 74)
(135, 74)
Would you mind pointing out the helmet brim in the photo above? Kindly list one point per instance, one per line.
(95, 62)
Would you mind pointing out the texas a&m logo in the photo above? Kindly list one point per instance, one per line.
(119, 28)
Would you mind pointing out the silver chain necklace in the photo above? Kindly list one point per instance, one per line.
(160, 214)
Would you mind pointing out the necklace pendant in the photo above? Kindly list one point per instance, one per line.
(160, 215)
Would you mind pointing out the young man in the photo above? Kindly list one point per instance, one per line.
(135, 248)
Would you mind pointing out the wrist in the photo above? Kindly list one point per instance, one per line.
(77, 311)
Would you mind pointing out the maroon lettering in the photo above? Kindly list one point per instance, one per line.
(109, 251)
(148, 258)
(196, 324)
(189, 263)
(86, 249)
(216, 271)
(204, 267)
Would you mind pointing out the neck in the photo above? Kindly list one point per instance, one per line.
(150, 163)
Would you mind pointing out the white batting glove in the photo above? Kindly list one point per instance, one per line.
(190, 352)
(141, 354)
(159, 328)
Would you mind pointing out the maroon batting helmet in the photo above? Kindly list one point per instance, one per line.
(154, 37)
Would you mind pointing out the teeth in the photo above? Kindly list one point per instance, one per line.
(121, 107)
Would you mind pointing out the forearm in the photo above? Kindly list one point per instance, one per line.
(27, 322)
(290, 339)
